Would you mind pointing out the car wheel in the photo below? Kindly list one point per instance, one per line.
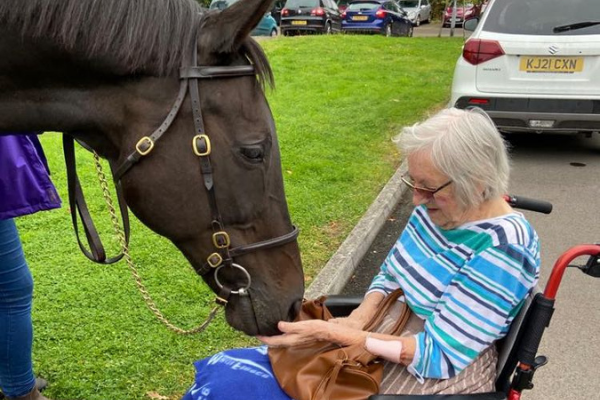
(328, 30)
(418, 20)
(388, 30)
(273, 32)
(410, 31)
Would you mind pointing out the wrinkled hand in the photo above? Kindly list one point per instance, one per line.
(357, 319)
(348, 322)
(304, 332)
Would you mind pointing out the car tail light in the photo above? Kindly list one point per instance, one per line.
(285, 12)
(317, 11)
(477, 51)
(380, 13)
(479, 101)
(344, 14)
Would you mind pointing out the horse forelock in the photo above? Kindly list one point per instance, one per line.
(141, 36)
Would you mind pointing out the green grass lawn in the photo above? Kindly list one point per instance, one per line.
(337, 103)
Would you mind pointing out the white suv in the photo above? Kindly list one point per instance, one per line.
(533, 65)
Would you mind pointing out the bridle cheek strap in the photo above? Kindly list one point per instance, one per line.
(146, 144)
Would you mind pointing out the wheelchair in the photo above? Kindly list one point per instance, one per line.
(517, 351)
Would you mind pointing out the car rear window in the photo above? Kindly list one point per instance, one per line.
(220, 4)
(409, 3)
(363, 6)
(544, 17)
(302, 4)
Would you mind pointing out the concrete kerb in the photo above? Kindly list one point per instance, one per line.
(341, 266)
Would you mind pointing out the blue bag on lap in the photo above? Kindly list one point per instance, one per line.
(238, 374)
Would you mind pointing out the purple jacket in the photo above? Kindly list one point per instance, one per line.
(25, 185)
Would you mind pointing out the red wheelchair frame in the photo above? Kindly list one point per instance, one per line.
(518, 359)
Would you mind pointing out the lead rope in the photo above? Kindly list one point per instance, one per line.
(136, 276)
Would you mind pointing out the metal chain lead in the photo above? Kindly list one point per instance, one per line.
(138, 280)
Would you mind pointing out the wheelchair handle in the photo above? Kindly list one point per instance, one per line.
(526, 203)
(563, 262)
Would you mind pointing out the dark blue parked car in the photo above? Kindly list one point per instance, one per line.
(376, 16)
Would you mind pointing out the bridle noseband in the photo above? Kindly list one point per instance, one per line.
(201, 145)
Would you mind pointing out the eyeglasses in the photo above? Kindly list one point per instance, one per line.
(423, 191)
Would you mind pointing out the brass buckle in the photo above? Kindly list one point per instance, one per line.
(195, 146)
(214, 260)
(143, 140)
(221, 235)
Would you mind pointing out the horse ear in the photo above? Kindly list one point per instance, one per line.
(224, 31)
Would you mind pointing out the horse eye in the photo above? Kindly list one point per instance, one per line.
(253, 153)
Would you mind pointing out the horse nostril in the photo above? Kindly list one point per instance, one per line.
(295, 310)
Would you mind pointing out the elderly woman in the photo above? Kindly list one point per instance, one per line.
(466, 261)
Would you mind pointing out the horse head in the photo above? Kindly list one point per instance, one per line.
(214, 187)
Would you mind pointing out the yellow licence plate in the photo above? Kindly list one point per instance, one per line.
(566, 65)
(360, 18)
(298, 22)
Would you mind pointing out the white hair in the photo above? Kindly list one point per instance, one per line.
(466, 146)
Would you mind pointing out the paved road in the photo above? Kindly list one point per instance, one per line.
(564, 170)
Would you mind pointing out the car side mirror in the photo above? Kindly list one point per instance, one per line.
(471, 24)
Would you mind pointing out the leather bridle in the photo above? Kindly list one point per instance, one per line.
(223, 255)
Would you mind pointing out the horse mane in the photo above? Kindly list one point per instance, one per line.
(152, 36)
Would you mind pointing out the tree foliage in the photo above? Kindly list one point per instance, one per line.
(438, 6)
(203, 3)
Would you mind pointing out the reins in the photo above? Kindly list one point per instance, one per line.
(123, 242)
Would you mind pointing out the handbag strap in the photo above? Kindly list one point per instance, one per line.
(402, 321)
(365, 357)
(383, 310)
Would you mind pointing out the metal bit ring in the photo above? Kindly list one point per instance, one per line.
(241, 290)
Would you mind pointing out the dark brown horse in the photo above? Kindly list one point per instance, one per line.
(108, 72)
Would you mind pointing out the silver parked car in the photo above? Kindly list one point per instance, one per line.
(418, 10)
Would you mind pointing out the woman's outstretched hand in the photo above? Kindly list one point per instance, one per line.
(304, 332)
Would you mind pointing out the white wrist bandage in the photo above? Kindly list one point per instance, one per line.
(388, 349)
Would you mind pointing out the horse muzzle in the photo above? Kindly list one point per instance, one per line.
(260, 316)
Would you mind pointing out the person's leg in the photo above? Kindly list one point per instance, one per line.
(16, 335)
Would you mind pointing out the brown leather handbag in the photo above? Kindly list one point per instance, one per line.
(327, 371)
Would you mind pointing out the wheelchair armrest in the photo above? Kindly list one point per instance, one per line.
(341, 305)
(477, 396)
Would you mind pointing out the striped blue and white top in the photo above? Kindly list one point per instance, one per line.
(468, 283)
